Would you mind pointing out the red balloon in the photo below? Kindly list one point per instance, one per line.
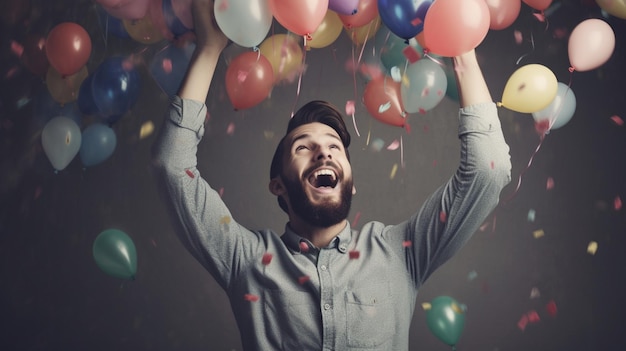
(249, 80)
(299, 16)
(454, 27)
(34, 55)
(366, 12)
(538, 4)
(68, 48)
(382, 98)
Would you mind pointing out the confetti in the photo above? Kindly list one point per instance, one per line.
(442, 217)
(190, 173)
(230, 130)
(354, 254)
(147, 128)
(350, 109)
(394, 145)
(523, 322)
(225, 220)
(531, 215)
(267, 258)
(268, 134)
(17, 48)
(396, 75)
(411, 54)
(304, 247)
(384, 107)
(472, 275)
(241, 76)
(549, 183)
(251, 297)
(426, 306)
(518, 37)
(540, 17)
(534, 293)
(357, 216)
(377, 144)
(394, 169)
(617, 120)
(592, 247)
(407, 243)
(617, 203)
(538, 233)
(551, 308)
(533, 316)
(167, 66)
(303, 279)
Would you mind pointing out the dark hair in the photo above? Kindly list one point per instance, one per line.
(314, 111)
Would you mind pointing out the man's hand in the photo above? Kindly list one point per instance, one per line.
(208, 34)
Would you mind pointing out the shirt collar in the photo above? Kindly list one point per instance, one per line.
(299, 244)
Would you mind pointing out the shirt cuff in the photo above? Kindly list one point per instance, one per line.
(193, 111)
(482, 117)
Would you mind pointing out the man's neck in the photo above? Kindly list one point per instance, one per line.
(319, 236)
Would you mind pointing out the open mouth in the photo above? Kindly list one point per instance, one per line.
(323, 178)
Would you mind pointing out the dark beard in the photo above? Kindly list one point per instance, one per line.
(323, 215)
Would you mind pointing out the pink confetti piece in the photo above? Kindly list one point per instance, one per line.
(221, 192)
(354, 254)
(442, 217)
(422, 111)
(304, 247)
(425, 92)
(350, 109)
(241, 76)
(617, 120)
(407, 243)
(551, 308)
(355, 221)
(518, 37)
(560, 33)
(251, 297)
(492, 165)
(416, 21)
(550, 183)
(303, 279)
(190, 173)
(411, 54)
(540, 17)
(17, 48)
(523, 322)
(267, 258)
(128, 65)
(223, 6)
(166, 64)
(230, 130)
(394, 145)
(533, 316)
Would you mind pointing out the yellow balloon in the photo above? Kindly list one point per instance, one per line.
(283, 51)
(327, 32)
(616, 8)
(143, 30)
(363, 33)
(530, 88)
(64, 89)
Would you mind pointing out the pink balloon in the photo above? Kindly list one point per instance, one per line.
(538, 4)
(453, 27)
(182, 9)
(130, 9)
(299, 16)
(503, 13)
(590, 45)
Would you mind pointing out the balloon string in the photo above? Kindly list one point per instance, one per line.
(401, 152)
(355, 66)
(530, 161)
(299, 82)
(532, 43)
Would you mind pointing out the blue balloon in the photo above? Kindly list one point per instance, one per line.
(115, 87)
(168, 67)
(98, 143)
(404, 18)
(45, 108)
(86, 103)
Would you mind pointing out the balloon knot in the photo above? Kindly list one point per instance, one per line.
(355, 11)
(499, 104)
(255, 48)
(571, 69)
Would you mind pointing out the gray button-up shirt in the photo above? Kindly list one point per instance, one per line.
(360, 291)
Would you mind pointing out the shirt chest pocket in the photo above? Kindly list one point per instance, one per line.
(370, 319)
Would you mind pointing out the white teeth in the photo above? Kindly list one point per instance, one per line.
(327, 172)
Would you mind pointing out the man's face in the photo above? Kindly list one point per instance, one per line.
(317, 175)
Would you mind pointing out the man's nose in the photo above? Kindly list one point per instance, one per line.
(323, 153)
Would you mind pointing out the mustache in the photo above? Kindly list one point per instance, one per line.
(326, 163)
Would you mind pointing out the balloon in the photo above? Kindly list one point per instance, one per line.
(382, 100)
(169, 65)
(560, 110)
(61, 140)
(98, 143)
(157, 18)
(115, 86)
(367, 10)
(249, 80)
(68, 48)
(360, 35)
(529, 89)
(172, 10)
(405, 18)
(143, 30)
(503, 13)
(86, 103)
(115, 254)
(590, 45)
(392, 49)
(128, 10)
(182, 10)
(299, 16)
(446, 319)
(111, 24)
(245, 22)
(344, 7)
(423, 87)
(65, 89)
(34, 54)
(327, 32)
(284, 54)
(616, 8)
(453, 27)
(45, 108)
(538, 4)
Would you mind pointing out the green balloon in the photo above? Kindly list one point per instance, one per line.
(446, 319)
(115, 254)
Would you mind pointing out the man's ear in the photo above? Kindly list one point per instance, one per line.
(353, 190)
(276, 186)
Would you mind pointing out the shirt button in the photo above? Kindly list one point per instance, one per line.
(326, 306)
(323, 267)
(342, 248)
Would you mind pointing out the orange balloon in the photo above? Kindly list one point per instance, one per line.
(382, 98)
(143, 30)
(249, 80)
(538, 4)
(327, 32)
(64, 89)
(68, 47)
(359, 35)
(366, 11)
(284, 53)
(34, 55)
(299, 16)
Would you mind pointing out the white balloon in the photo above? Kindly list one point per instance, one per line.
(245, 22)
(560, 110)
(61, 139)
(424, 86)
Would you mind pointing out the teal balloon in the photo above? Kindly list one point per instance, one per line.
(424, 87)
(446, 319)
(61, 139)
(392, 48)
(98, 144)
(115, 254)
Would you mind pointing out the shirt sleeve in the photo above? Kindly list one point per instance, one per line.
(205, 224)
(450, 216)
